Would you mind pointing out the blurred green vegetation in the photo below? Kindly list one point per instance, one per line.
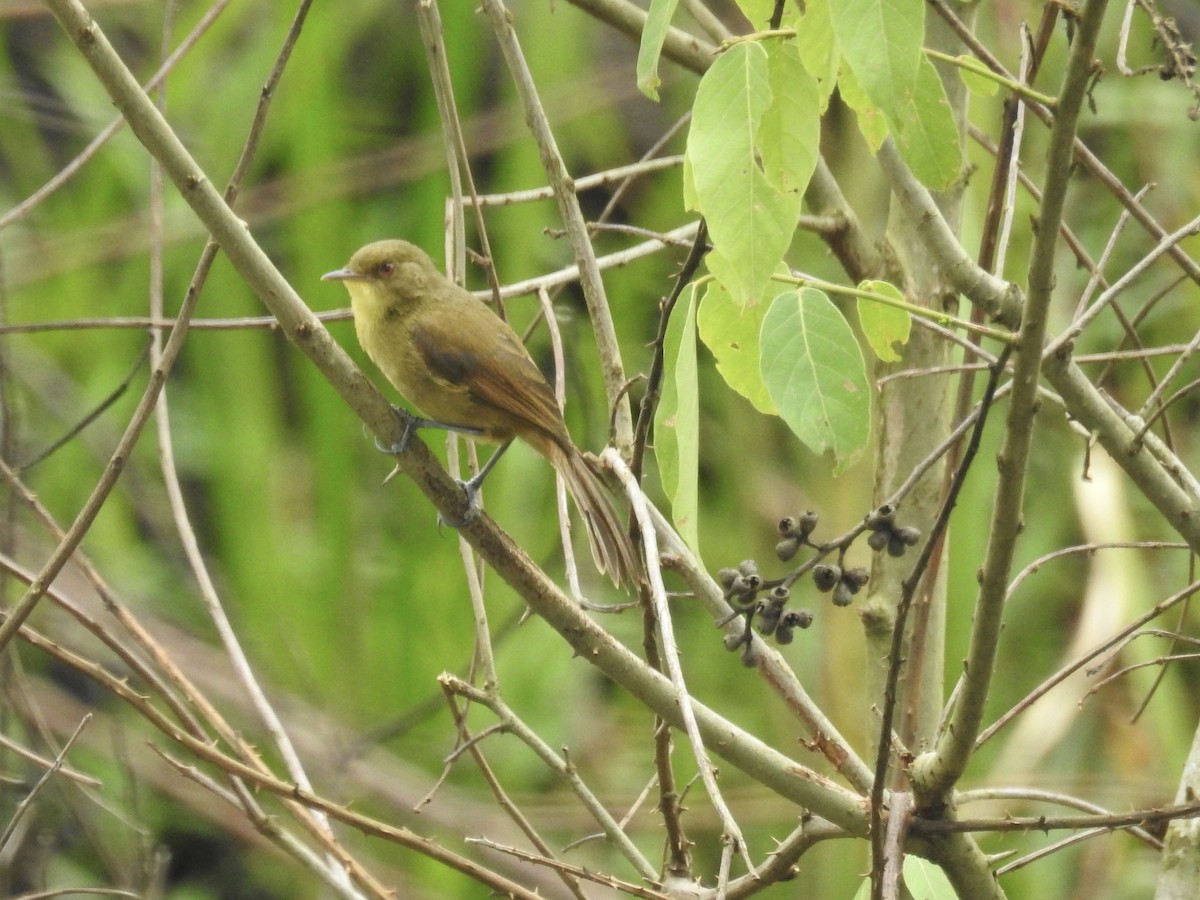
(349, 599)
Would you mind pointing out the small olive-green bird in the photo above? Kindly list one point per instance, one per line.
(464, 368)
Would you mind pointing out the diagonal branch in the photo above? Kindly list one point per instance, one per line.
(935, 773)
(754, 757)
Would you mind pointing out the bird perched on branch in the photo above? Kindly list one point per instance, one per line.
(466, 370)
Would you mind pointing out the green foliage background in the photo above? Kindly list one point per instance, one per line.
(349, 599)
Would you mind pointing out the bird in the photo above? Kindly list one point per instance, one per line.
(465, 370)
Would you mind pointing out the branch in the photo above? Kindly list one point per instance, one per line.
(680, 47)
(934, 773)
(572, 216)
(761, 762)
(998, 298)
(1110, 821)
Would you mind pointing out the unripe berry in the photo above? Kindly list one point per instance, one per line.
(855, 578)
(787, 548)
(881, 519)
(842, 595)
(807, 522)
(825, 576)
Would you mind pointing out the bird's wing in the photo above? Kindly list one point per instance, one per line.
(496, 369)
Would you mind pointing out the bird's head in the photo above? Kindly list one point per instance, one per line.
(386, 275)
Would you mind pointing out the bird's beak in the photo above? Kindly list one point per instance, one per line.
(346, 274)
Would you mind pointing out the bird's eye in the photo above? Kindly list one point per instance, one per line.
(387, 269)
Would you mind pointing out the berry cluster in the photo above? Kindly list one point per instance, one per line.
(762, 601)
(886, 533)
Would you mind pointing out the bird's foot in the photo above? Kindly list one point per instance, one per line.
(471, 489)
(413, 422)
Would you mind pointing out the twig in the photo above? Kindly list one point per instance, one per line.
(205, 750)
(560, 485)
(685, 49)
(1108, 821)
(625, 887)
(771, 768)
(187, 535)
(517, 727)
(582, 183)
(66, 771)
(267, 825)
(52, 770)
(935, 773)
(1074, 666)
(1082, 155)
(1097, 275)
(183, 711)
(1034, 567)
(67, 172)
(1043, 796)
(572, 215)
(502, 797)
(900, 814)
(1163, 247)
(91, 416)
(731, 833)
(879, 843)
(654, 379)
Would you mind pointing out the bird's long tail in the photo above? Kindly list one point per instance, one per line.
(612, 549)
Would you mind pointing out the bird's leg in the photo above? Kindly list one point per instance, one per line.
(413, 422)
(472, 487)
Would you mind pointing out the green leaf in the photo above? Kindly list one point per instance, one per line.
(757, 12)
(731, 333)
(974, 79)
(658, 22)
(925, 881)
(815, 374)
(883, 325)
(925, 131)
(677, 420)
(789, 136)
(818, 48)
(750, 222)
(690, 200)
(881, 43)
(871, 121)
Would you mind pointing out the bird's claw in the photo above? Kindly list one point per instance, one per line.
(471, 489)
(411, 424)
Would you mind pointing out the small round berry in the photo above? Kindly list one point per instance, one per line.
(879, 539)
(826, 576)
(881, 519)
(799, 618)
(768, 619)
(787, 548)
(842, 595)
(855, 578)
(807, 523)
